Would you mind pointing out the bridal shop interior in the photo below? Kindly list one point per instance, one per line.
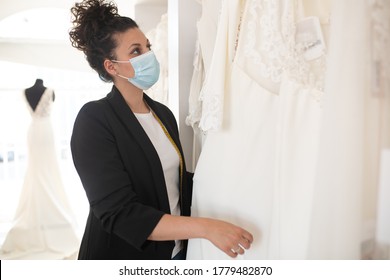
(283, 110)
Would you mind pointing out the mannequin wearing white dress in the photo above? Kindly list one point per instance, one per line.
(43, 224)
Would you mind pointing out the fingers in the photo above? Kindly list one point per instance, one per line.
(231, 239)
(238, 251)
(247, 236)
(231, 253)
(244, 241)
(240, 248)
(243, 244)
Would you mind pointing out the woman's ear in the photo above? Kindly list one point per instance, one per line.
(109, 66)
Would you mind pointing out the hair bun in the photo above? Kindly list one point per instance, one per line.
(95, 26)
(91, 17)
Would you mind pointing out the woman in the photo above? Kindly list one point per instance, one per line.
(127, 152)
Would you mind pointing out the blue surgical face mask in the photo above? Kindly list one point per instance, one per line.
(146, 68)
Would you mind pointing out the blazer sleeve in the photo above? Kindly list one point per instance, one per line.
(105, 180)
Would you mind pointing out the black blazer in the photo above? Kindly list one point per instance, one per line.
(124, 181)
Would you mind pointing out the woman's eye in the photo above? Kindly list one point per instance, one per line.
(136, 51)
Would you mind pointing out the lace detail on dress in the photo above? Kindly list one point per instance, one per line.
(195, 104)
(266, 48)
(380, 38)
(213, 105)
(309, 73)
(271, 44)
(214, 88)
(43, 109)
(238, 33)
(208, 26)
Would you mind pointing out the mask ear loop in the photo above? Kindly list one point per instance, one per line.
(123, 76)
(120, 61)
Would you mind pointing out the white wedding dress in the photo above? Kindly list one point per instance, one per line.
(207, 31)
(258, 164)
(235, 173)
(43, 224)
(294, 154)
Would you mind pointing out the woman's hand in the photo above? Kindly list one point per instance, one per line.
(231, 239)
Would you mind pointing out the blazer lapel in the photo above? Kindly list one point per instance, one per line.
(122, 110)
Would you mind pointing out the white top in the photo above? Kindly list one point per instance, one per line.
(169, 160)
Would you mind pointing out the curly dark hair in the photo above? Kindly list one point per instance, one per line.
(95, 24)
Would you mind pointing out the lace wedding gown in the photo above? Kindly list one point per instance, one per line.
(262, 114)
(207, 29)
(233, 179)
(43, 224)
